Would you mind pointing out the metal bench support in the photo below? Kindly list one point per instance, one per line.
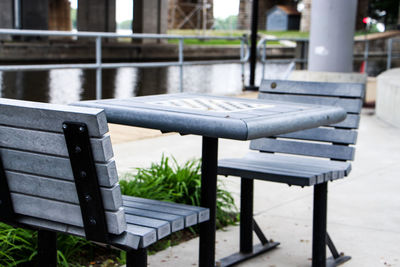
(321, 239)
(86, 181)
(247, 226)
(136, 258)
(47, 248)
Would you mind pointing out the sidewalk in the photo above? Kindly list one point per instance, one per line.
(363, 214)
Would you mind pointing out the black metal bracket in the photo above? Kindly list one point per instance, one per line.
(86, 181)
(6, 207)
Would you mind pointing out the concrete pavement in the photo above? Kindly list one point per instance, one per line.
(363, 213)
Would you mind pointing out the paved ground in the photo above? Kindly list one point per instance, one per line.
(364, 208)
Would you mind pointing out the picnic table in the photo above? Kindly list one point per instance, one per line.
(214, 117)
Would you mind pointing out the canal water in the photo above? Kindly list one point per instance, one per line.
(66, 86)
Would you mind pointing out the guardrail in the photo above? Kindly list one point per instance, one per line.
(99, 65)
(262, 48)
(390, 55)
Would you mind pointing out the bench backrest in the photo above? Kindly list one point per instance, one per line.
(331, 141)
(38, 170)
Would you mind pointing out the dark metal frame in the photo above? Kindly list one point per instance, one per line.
(247, 226)
(86, 181)
(6, 207)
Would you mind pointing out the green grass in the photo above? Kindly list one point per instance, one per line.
(18, 246)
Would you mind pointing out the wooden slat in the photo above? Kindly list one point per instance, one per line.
(236, 168)
(163, 228)
(50, 143)
(63, 212)
(355, 90)
(190, 216)
(324, 134)
(348, 104)
(130, 238)
(147, 235)
(352, 121)
(302, 148)
(297, 159)
(50, 117)
(177, 222)
(203, 213)
(59, 190)
(51, 166)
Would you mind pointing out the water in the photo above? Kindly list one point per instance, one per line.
(67, 86)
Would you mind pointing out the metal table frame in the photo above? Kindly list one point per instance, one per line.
(233, 121)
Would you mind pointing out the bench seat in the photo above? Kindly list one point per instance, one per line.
(292, 170)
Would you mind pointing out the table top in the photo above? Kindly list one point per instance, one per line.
(216, 116)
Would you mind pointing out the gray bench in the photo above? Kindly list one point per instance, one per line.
(58, 175)
(299, 158)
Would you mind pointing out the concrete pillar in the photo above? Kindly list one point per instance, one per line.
(244, 17)
(96, 15)
(59, 15)
(306, 16)
(6, 16)
(331, 35)
(35, 14)
(150, 16)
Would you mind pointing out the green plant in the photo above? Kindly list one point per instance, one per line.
(168, 181)
(18, 246)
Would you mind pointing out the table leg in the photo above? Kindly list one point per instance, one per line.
(208, 200)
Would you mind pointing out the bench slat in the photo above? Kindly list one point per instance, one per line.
(190, 216)
(324, 134)
(302, 148)
(130, 238)
(203, 213)
(50, 117)
(349, 105)
(50, 143)
(63, 212)
(51, 166)
(59, 190)
(163, 228)
(245, 171)
(304, 160)
(313, 88)
(177, 222)
(352, 121)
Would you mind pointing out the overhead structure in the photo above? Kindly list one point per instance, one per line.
(187, 14)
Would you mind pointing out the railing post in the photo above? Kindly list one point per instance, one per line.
(389, 54)
(263, 57)
(366, 52)
(242, 60)
(17, 14)
(98, 68)
(181, 65)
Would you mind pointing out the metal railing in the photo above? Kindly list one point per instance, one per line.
(262, 48)
(99, 65)
(390, 54)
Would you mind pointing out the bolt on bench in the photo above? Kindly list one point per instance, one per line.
(299, 162)
(58, 175)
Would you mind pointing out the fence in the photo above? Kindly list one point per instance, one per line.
(99, 65)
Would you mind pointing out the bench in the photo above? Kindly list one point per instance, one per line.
(58, 175)
(299, 158)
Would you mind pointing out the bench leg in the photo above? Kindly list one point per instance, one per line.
(47, 248)
(136, 258)
(247, 226)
